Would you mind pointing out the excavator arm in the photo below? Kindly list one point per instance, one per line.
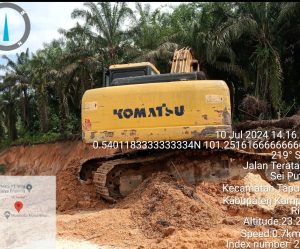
(184, 62)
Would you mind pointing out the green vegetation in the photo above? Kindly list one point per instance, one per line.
(2, 169)
(254, 46)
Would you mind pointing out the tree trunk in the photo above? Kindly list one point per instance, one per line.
(284, 123)
(43, 110)
(25, 109)
(63, 113)
(44, 122)
(11, 123)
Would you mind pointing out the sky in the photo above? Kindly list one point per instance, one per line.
(46, 19)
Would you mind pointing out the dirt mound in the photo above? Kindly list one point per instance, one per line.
(162, 205)
(67, 244)
(71, 194)
(109, 227)
(161, 213)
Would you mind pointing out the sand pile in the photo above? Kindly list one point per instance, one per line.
(161, 205)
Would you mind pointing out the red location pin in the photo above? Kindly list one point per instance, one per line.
(18, 206)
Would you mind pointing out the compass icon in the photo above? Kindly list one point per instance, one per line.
(5, 37)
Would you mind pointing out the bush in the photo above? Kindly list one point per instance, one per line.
(38, 138)
(5, 143)
(253, 108)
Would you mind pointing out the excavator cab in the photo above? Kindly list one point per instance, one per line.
(129, 70)
(184, 66)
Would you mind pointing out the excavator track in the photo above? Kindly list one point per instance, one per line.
(104, 176)
(115, 177)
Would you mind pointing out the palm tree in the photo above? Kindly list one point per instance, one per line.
(84, 56)
(59, 79)
(149, 35)
(8, 100)
(107, 19)
(19, 72)
(263, 22)
(200, 27)
(149, 29)
(40, 73)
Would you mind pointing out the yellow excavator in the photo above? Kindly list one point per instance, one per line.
(154, 115)
(141, 104)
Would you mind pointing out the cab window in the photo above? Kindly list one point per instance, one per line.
(129, 72)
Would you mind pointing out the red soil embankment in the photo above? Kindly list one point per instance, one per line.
(60, 159)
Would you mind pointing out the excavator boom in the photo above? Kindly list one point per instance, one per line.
(184, 62)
